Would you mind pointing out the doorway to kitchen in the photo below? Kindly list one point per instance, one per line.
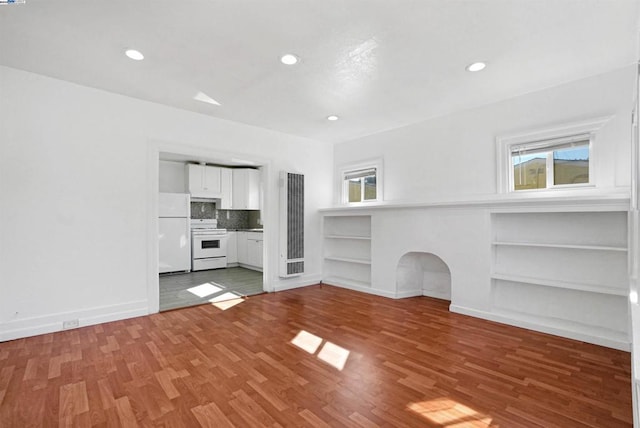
(221, 232)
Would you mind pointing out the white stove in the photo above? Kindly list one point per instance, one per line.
(208, 245)
(206, 225)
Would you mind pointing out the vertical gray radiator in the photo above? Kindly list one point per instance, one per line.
(291, 224)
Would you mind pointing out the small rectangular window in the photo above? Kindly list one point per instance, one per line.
(552, 163)
(360, 185)
(546, 159)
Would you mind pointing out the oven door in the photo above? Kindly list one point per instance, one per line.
(206, 246)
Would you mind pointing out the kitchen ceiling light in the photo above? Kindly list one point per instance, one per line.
(476, 66)
(332, 118)
(243, 161)
(134, 54)
(289, 59)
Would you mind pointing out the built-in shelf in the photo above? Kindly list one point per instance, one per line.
(561, 284)
(347, 251)
(608, 337)
(567, 269)
(348, 260)
(567, 246)
(366, 238)
(345, 282)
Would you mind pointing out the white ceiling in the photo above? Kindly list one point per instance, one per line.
(377, 64)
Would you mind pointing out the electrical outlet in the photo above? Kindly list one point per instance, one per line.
(66, 325)
(227, 215)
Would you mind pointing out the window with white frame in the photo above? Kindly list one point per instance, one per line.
(558, 158)
(551, 163)
(361, 183)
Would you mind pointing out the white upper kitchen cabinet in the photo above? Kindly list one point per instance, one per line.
(226, 189)
(204, 181)
(246, 189)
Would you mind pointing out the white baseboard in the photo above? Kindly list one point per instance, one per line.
(18, 329)
(296, 282)
(374, 291)
(250, 267)
(437, 295)
(408, 293)
(593, 338)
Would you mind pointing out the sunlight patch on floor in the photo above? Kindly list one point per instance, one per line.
(334, 355)
(226, 300)
(449, 413)
(330, 353)
(307, 341)
(206, 289)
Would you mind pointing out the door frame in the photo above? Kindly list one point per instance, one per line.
(267, 208)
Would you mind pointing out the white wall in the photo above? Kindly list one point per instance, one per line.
(453, 157)
(74, 189)
(449, 165)
(172, 177)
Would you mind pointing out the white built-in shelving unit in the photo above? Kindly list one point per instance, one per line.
(566, 269)
(347, 251)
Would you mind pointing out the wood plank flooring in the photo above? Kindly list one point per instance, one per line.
(320, 357)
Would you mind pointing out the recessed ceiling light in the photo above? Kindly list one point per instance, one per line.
(289, 59)
(332, 118)
(476, 66)
(134, 54)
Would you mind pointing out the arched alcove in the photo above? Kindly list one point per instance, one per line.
(426, 272)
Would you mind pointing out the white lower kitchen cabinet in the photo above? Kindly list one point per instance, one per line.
(232, 248)
(254, 252)
(242, 248)
(250, 248)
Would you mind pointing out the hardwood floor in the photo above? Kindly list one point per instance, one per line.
(318, 356)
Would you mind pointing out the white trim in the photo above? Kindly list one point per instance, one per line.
(26, 327)
(350, 286)
(623, 345)
(296, 282)
(376, 292)
(443, 295)
(634, 244)
(342, 169)
(409, 293)
(153, 188)
(505, 143)
(591, 200)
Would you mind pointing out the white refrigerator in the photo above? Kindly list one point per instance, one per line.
(174, 237)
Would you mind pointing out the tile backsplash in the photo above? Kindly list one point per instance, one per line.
(237, 219)
(203, 210)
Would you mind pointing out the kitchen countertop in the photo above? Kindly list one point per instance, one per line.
(244, 230)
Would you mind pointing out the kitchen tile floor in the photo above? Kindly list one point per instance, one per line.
(195, 288)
